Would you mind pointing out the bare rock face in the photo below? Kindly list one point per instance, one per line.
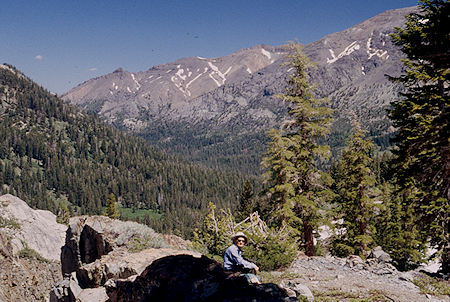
(30, 244)
(380, 255)
(98, 248)
(121, 264)
(38, 228)
(186, 278)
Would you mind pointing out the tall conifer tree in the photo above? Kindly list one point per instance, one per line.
(422, 117)
(245, 206)
(297, 187)
(355, 183)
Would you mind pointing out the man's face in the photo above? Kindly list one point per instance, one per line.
(240, 242)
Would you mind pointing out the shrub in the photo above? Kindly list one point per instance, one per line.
(138, 244)
(342, 250)
(137, 237)
(269, 252)
(430, 285)
(9, 223)
(29, 253)
(268, 248)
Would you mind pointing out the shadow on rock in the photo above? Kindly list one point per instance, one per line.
(186, 278)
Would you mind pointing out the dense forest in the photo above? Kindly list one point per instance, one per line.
(229, 149)
(56, 157)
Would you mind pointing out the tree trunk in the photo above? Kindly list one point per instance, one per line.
(445, 260)
(309, 239)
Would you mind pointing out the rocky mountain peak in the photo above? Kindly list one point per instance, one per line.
(235, 93)
(118, 70)
(168, 87)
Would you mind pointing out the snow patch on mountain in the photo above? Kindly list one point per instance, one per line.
(199, 75)
(216, 71)
(373, 51)
(7, 68)
(138, 86)
(347, 51)
(180, 74)
(266, 53)
(217, 82)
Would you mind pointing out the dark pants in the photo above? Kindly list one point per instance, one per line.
(240, 270)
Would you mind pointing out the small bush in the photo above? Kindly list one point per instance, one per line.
(29, 253)
(433, 286)
(342, 250)
(141, 234)
(138, 244)
(270, 252)
(9, 223)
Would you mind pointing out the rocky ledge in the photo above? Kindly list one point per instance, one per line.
(110, 260)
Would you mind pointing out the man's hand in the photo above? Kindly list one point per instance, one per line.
(256, 268)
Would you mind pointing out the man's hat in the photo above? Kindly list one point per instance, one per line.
(239, 234)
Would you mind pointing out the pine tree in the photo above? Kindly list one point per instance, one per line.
(63, 214)
(397, 229)
(296, 185)
(422, 118)
(245, 201)
(355, 185)
(111, 207)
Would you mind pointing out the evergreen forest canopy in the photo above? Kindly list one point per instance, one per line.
(58, 158)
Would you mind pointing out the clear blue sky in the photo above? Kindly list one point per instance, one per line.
(61, 43)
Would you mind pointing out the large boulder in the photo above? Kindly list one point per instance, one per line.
(36, 229)
(187, 278)
(99, 248)
(121, 264)
(380, 255)
(30, 245)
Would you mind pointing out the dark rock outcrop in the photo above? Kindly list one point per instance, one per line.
(87, 239)
(186, 278)
(98, 249)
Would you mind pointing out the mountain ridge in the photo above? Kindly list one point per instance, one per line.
(350, 71)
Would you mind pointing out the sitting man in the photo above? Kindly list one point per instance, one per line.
(233, 261)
